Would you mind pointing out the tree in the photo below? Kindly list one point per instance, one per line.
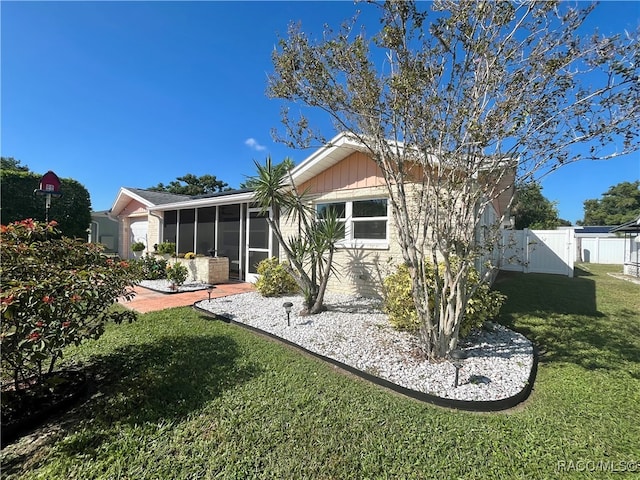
(448, 105)
(72, 210)
(310, 251)
(56, 291)
(619, 204)
(10, 163)
(194, 185)
(532, 210)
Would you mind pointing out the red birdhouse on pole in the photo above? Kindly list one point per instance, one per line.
(50, 187)
(50, 183)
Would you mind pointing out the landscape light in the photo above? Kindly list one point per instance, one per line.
(287, 308)
(457, 356)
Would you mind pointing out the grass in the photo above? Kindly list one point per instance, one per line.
(183, 396)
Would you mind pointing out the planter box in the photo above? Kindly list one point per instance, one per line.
(210, 270)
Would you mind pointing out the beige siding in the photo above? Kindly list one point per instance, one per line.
(354, 172)
(360, 270)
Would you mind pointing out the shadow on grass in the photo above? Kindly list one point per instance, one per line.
(535, 293)
(161, 382)
(560, 316)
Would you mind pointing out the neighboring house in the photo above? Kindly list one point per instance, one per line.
(104, 230)
(631, 233)
(339, 175)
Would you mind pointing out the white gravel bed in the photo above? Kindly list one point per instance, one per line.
(354, 331)
(164, 285)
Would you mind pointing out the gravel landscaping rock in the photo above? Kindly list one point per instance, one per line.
(354, 331)
(165, 286)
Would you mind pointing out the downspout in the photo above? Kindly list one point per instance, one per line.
(160, 227)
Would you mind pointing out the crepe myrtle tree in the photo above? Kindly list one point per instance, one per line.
(311, 249)
(455, 105)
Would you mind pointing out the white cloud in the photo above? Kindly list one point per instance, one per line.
(253, 143)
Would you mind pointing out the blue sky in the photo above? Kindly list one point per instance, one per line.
(135, 93)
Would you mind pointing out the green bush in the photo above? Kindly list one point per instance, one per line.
(177, 273)
(137, 247)
(150, 267)
(167, 248)
(56, 291)
(274, 279)
(398, 302)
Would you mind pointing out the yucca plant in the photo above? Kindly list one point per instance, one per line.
(310, 251)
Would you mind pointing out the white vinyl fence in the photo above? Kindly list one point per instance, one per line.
(538, 251)
(600, 250)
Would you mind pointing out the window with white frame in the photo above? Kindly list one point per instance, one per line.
(365, 221)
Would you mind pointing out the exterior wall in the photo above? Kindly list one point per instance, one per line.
(104, 230)
(133, 209)
(209, 270)
(354, 172)
(360, 269)
(632, 255)
(153, 232)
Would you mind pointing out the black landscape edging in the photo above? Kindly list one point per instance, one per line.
(171, 292)
(467, 405)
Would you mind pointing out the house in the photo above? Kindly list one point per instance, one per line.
(631, 232)
(339, 175)
(136, 222)
(104, 229)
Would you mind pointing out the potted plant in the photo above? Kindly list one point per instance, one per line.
(137, 249)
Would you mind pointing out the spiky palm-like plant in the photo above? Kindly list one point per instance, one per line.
(310, 251)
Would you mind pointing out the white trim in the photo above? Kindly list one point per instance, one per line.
(348, 220)
(230, 199)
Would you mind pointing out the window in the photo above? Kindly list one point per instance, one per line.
(365, 220)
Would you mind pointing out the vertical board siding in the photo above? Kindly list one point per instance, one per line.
(355, 171)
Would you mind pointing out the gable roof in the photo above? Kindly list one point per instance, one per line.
(208, 200)
(338, 148)
(148, 198)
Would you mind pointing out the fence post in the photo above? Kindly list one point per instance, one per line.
(525, 249)
(571, 235)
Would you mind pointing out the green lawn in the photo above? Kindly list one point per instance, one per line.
(187, 397)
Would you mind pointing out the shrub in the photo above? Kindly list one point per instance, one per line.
(167, 248)
(137, 247)
(274, 279)
(56, 291)
(176, 273)
(398, 303)
(150, 267)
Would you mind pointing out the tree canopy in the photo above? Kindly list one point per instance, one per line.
(72, 210)
(533, 210)
(10, 163)
(449, 103)
(189, 184)
(619, 204)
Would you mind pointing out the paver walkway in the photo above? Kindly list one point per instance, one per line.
(150, 301)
